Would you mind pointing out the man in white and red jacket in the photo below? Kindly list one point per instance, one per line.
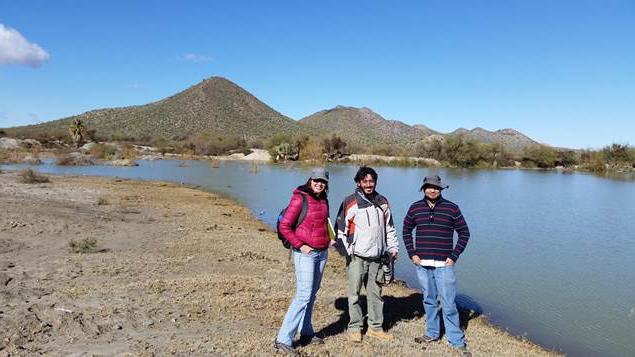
(366, 231)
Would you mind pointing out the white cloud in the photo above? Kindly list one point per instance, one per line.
(15, 49)
(195, 57)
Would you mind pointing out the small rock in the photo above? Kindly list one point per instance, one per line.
(5, 279)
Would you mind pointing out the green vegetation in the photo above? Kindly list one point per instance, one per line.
(284, 147)
(86, 245)
(205, 144)
(77, 130)
(540, 156)
(614, 157)
(103, 151)
(334, 148)
(31, 176)
(456, 151)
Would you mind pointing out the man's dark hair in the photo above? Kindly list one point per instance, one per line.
(363, 171)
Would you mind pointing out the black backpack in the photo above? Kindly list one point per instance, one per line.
(301, 217)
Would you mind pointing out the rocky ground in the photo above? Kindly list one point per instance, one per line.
(173, 271)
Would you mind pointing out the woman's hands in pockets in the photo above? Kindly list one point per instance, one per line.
(306, 249)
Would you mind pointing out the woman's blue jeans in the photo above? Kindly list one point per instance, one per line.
(441, 283)
(308, 274)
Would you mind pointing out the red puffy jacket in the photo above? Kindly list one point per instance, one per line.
(312, 231)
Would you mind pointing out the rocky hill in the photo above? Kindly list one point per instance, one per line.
(509, 138)
(215, 106)
(362, 126)
(219, 107)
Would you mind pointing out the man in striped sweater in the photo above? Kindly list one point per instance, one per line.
(434, 220)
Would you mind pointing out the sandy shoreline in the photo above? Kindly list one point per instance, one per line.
(178, 271)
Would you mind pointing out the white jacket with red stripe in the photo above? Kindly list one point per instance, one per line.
(365, 226)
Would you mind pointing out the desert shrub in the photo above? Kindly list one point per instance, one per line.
(616, 154)
(257, 144)
(128, 152)
(312, 150)
(435, 149)
(596, 162)
(464, 153)
(103, 151)
(86, 245)
(284, 151)
(91, 134)
(278, 139)
(567, 158)
(52, 138)
(102, 201)
(335, 147)
(2, 132)
(31, 176)
(541, 156)
(204, 144)
(162, 145)
(14, 156)
(283, 146)
(384, 150)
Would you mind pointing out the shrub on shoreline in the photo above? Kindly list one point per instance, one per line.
(103, 151)
(31, 176)
(86, 245)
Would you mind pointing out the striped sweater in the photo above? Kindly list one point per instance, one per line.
(434, 229)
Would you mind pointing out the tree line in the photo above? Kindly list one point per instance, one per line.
(453, 151)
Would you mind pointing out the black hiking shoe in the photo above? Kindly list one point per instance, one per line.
(425, 339)
(464, 351)
(310, 340)
(280, 347)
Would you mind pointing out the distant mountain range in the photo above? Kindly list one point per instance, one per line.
(218, 106)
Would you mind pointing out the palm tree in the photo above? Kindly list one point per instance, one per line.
(77, 131)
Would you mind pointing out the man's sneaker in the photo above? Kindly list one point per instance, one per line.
(284, 348)
(425, 339)
(355, 336)
(380, 334)
(310, 340)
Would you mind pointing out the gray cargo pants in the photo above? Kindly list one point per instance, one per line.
(364, 271)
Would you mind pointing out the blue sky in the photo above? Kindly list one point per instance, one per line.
(562, 72)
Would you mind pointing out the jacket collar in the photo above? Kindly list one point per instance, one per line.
(372, 199)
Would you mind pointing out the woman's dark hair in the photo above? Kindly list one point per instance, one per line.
(363, 171)
(307, 188)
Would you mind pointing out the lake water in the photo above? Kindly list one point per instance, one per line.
(552, 255)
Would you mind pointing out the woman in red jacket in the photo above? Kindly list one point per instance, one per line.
(310, 242)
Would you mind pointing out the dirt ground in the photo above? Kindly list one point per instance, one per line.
(175, 271)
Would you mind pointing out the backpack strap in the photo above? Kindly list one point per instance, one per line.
(303, 211)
